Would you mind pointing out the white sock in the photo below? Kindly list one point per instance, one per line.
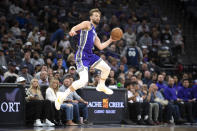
(68, 91)
(138, 117)
(102, 82)
(145, 117)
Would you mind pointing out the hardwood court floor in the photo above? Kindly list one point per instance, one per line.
(110, 127)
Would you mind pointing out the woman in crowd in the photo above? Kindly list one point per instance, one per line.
(51, 95)
(37, 108)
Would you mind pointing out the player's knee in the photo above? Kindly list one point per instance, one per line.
(106, 67)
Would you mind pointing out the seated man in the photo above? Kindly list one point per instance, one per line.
(137, 107)
(185, 94)
(170, 95)
(78, 103)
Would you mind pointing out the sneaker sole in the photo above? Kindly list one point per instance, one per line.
(100, 90)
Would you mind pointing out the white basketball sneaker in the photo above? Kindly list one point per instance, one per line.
(60, 99)
(103, 88)
(49, 123)
(38, 123)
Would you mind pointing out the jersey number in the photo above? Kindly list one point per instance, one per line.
(131, 53)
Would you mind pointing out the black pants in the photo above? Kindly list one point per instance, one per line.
(55, 114)
(38, 109)
(138, 108)
(171, 110)
(194, 109)
(185, 110)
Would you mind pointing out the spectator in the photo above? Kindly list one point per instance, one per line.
(143, 27)
(120, 70)
(96, 79)
(59, 67)
(15, 29)
(3, 21)
(133, 54)
(178, 41)
(65, 43)
(112, 51)
(18, 48)
(72, 72)
(138, 75)
(129, 36)
(60, 56)
(153, 105)
(170, 95)
(145, 40)
(57, 76)
(71, 60)
(57, 36)
(21, 19)
(147, 78)
(51, 95)
(78, 103)
(12, 56)
(120, 82)
(166, 36)
(27, 61)
(37, 59)
(130, 25)
(23, 35)
(11, 37)
(24, 73)
(177, 84)
(185, 94)
(14, 8)
(43, 68)
(28, 46)
(154, 77)
(48, 62)
(36, 106)
(43, 78)
(68, 107)
(163, 104)
(136, 106)
(21, 80)
(160, 82)
(34, 35)
(156, 41)
(113, 63)
(10, 76)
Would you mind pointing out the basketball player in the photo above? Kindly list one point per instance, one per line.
(85, 58)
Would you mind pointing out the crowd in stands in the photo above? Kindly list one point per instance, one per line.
(35, 49)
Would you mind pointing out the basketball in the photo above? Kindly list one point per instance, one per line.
(116, 33)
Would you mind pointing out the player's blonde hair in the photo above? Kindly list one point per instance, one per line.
(94, 10)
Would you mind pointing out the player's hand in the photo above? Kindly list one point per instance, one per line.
(72, 33)
(85, 102)
(112, 40)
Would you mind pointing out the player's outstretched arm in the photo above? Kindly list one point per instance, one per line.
(103, 45)
(83, 25)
